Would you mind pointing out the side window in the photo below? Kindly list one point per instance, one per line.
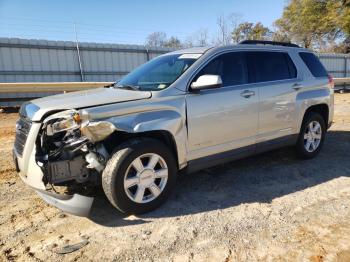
(272, 66)
(314, 64)
(231, 67)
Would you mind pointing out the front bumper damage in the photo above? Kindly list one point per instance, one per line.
(33, 174)
(73, 204)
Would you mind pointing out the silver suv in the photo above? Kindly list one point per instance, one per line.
(182, 111)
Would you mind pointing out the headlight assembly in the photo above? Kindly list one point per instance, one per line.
(64, 125)
(64, 122)
(71, 120)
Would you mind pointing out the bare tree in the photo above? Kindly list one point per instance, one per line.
(235, 20)
(226, 25)
(156, 39)
(202, 37)
(224, 36)
(199, 38)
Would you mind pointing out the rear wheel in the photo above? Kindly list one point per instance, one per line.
(139, 176)
(311, 136)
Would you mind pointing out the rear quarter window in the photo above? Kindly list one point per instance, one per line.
(314, 64)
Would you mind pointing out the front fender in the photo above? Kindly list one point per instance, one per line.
(149, 121)
(139, 118)
(167, 120)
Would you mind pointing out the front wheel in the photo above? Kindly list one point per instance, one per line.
(311, 136)
(139, 176)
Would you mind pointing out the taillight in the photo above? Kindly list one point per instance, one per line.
(331, 81)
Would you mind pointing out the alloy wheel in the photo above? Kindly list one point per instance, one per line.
(312, 136)
(145, 178)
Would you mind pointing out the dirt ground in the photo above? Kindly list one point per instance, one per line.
(271, 207)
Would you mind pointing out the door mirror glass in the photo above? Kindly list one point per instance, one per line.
(206, 82)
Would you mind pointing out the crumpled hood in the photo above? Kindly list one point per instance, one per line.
(37, 108)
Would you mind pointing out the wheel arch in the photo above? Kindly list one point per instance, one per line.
(167, 126)
(316, 100)
(321, 109)
(163, 136)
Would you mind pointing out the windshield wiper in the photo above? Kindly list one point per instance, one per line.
(129, 87)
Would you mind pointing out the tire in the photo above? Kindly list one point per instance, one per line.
(304, 150)
(123, 166)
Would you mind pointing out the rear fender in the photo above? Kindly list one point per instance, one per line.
(306, 99)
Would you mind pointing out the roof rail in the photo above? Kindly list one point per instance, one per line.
(264, 42)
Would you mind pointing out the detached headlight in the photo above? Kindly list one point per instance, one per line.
(67, 122)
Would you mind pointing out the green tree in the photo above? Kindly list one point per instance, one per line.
(260, 32)
(315, 22)
(250, 31)
(173, 42)
(159, 39)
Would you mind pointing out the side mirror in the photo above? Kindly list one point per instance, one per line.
(206, 82)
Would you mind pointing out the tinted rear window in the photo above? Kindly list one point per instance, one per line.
(314, 64)
(272, 66)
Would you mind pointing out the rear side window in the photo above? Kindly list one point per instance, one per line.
(231, 67)
(314, 64)
(272, 66)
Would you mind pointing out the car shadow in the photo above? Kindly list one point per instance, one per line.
(259, 178)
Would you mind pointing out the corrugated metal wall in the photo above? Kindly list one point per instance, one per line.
(24, 60)
(57, 61)
(336, 64)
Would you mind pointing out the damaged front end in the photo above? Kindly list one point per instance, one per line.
(71, 155)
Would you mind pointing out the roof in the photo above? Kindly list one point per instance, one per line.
(202, 50)
(193, 50)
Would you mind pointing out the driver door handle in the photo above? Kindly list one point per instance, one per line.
(247, 93)
(297, 86)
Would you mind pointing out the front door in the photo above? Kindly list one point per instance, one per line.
(225, 118)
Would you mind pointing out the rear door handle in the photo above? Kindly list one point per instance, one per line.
(247, 93)
(297, 86)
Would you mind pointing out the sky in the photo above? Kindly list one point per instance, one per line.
(128, 21)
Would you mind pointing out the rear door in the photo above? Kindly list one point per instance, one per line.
(276, 78)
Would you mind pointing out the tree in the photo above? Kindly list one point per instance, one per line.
(202, 37)
(159, 39)
(156, 39)
(250, 31)
(173, 42)
(199, 38)
(315, 22)
(260, 32)
(242, 32)
(226, 24)
(280, 36)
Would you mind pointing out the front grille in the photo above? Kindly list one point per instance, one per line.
(22, 130)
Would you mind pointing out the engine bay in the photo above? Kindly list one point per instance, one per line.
(69, 149)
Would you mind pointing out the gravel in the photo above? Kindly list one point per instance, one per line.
(267, 207)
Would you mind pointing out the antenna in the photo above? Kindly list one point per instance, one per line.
(77, 42)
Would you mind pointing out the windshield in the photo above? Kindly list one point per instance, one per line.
(158, 73)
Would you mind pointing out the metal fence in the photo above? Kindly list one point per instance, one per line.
(58, 61)
(24, 60)
(336, 64)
